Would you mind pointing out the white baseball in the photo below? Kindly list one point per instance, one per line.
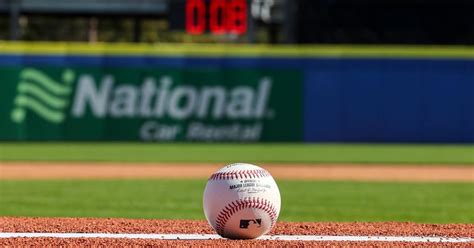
(241, 201)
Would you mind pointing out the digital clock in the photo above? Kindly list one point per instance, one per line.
(217, 16)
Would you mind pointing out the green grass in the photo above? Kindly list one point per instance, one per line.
(181, 199)
(223, 153)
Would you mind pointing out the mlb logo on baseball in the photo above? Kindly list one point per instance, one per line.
(246, 223)
(241, 201)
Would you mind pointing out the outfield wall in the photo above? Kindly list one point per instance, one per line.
(112, 92)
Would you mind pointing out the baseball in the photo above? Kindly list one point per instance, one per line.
(241, 201)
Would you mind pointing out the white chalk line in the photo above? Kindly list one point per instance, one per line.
(265, 237)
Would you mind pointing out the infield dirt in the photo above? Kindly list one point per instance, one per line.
(354, 172)
(92, 225)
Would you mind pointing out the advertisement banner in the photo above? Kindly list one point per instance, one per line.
(150, 104)
(235, 93)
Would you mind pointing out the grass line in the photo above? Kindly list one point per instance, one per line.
(222, 153)
(182, 199)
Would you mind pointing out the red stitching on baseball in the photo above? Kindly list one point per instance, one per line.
(238, 205)
(245, 174)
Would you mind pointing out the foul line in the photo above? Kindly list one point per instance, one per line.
(215, 236)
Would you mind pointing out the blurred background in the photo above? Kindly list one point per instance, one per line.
(257, 21)
(316, 71)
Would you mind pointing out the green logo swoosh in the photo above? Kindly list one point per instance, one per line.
(42, 95)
